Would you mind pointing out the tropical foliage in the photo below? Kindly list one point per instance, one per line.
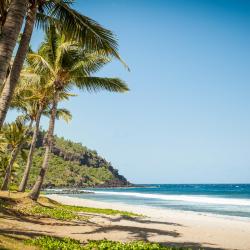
(34, 83)
(66, 64)
(60, 13)
(13, 137)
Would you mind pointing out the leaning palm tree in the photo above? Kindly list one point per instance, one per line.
(9, 32)
(67, 64)
(70, 22)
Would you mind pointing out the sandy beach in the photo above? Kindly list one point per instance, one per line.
(170, 227)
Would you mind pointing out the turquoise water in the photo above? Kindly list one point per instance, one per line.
(221, 199)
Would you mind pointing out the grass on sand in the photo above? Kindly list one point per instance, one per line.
(19, 205)
(46, 207)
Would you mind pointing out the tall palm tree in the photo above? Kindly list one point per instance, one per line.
(60, 114)
(9, 34)
(69, 21)
(33, 99)
(67, 64)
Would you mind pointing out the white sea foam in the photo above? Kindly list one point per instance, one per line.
(185, 198)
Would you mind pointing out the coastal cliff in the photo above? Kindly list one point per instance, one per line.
(73, 165)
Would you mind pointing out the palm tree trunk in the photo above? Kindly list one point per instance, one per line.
(34, 193)
(3, 14)
(13, 157)
(13, 77)
(10, 32)
(7, 176)
(26, 173)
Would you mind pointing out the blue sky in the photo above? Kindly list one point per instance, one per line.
(187, 116)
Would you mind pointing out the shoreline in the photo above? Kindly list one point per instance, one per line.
(136, 208)
(207, 230)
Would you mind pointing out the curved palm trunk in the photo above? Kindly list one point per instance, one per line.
(10, 32)
(13, 77)
(13, 157)
(34, 193)
(26, 173)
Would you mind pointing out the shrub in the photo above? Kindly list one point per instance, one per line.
(51, 243)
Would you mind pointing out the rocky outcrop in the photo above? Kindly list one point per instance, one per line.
(84, 157)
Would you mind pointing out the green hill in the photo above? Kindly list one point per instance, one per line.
(72, 165)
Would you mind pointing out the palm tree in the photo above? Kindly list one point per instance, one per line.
(15, 135)
(61, 114)
(67, 64)
(31, 101)
(75, 25)
(9, 33)
(33, 98)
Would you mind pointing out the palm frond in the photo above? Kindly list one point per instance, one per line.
(90, 62)
(14, 133)
(61, 113)
(39, 63)
(64, 114)
(93, 84)
(83, 29)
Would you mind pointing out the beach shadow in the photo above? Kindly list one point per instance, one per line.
(11, 214)
(137, 219)
(144, 221)
(35, 219)
(138, 233)
(20, 235)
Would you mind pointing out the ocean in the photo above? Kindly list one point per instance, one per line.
(219, 199)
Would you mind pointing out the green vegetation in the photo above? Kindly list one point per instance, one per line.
(63, 212)
(72, 147)
(65, 173)
(12, 137)
(8, 242)
(51, 243)
(134, 245)
(58, 213)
